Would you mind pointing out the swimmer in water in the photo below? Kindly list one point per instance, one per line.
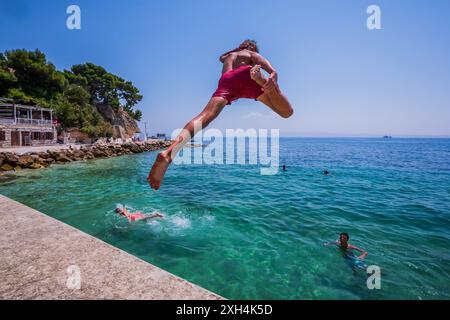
(348, 251)
(137, 216)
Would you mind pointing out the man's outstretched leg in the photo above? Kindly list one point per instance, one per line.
(274, 99)
(164, 158)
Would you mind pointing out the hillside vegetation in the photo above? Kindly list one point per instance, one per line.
(74, 95)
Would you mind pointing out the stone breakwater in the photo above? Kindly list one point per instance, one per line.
(10, 161)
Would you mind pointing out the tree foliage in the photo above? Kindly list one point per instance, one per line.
(73, 95)
(104, 87)
(137, 115)
(34, 75)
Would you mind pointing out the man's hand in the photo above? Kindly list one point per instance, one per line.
(272, 83)
(327, 244)
(363, 256)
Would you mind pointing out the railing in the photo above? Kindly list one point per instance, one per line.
(33, 121)
(6, 121)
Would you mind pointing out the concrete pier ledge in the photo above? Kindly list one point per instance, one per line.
(43, 258)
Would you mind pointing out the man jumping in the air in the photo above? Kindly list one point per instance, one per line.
(241, 78)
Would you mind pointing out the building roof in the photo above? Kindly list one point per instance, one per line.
(8, 101)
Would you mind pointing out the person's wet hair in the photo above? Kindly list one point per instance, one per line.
(345, 234)
(118, 210)
(249, 45)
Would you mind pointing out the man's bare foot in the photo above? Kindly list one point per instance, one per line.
(257, 76)
(159, 168)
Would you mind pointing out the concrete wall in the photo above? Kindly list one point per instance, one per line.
(40, 257)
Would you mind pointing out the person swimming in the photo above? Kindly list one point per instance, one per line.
(348, 252)
(137, 216)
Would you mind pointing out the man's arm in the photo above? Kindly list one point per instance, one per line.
(126, 213)
(364, 253)
(272, 82)
(327, 244)
(223, 57)
(154, 215)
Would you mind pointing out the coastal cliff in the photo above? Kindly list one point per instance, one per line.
(123, 125)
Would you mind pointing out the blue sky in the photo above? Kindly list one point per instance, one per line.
(343, 79)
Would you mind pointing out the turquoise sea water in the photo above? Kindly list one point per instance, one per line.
(248, 236)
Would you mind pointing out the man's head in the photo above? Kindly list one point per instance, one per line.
(343, 237)
(249, 45)
(119, 210)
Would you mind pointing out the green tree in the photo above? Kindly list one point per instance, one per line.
(137, 115)
(7, 78)
(105, 87)
(32, 74)
(28, 77)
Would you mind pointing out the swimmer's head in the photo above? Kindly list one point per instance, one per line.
(344, 237)
(119, 209)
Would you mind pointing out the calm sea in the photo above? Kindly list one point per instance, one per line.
(248, 236)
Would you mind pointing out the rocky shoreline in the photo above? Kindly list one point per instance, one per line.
(10, 161)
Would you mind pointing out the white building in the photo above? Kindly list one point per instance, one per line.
(24, 125)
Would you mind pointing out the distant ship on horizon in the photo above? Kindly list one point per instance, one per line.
(387, 137)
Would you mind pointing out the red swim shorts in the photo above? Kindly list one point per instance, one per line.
(236, 84)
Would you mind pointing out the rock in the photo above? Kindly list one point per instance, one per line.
(52, 154)
(48, 161)
(90, 155)
(37, 160)
(45, 162)
(79, 154)
(11, 158)
(25, 161)
(123, 125)
(43, 155)
(62, 158)
(36, 166)
(69, 154)
(99, 154)
(6, 167)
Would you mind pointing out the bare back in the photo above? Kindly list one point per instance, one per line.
(237, 59)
